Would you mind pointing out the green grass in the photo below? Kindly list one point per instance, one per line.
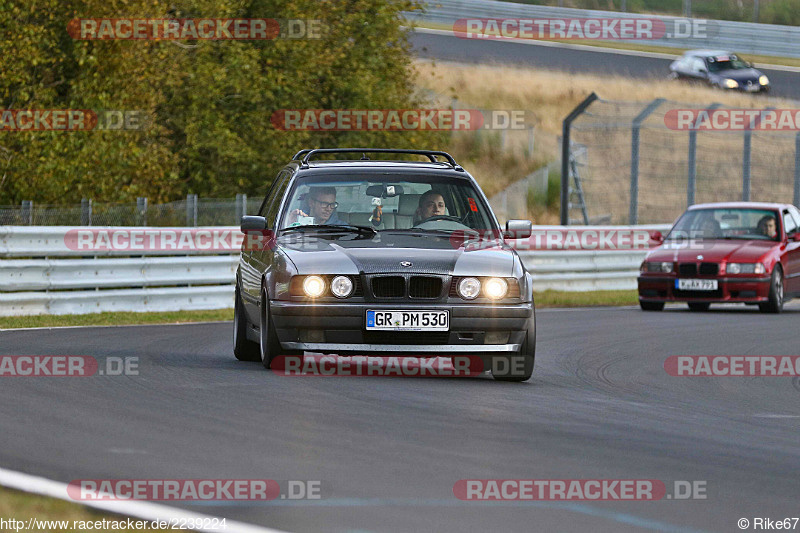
(23, 506)
(115, 319)
(585, 299)
(543, 299)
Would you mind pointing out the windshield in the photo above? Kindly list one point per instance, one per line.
(716, 64)
(386, 203)
(713, 224)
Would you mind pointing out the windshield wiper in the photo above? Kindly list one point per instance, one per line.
(333, 228)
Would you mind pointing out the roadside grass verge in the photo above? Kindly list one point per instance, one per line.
(543, 299)
(115, 319)
(547, 299)
(22, 506)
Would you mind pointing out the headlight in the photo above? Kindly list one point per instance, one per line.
(745, 268)
(314, 286)
(495, 288)
(341, 286)
(763, 80)
(469, 288)
(655, 266)
(731, 84)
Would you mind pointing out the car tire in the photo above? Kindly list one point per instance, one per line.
(243, 348)
(528, 354)
(651, 306)
(270, 347)
(776, 293)
(699, 306)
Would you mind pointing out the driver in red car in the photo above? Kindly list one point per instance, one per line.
(767, 226)
(431, 204)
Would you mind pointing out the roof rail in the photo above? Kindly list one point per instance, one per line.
(430, 154)
(301, 153)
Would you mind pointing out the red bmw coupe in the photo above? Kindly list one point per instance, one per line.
(742, 252)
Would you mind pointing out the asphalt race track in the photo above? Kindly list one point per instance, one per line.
(389, 450)
(593, 60)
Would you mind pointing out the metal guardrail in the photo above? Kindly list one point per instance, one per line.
(32, 283)
(742, 37)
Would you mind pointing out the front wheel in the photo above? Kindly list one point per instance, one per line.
(776, 295)
(270, 347)
(519, 366)
(651, 306)
(243, 348)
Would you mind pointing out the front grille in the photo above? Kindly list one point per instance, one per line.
(709, 269)
(388, 287)
(425, 287)
(406, 337)
(687, 269)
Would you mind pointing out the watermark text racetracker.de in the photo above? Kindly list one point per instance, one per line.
(612, 28)
(74, 120)
(577, 490)
(733, 119)
(194, 490)
(67, 366)
(210, 240)
(204, 523)
(258, 29)
(400, 119)
(733, 365)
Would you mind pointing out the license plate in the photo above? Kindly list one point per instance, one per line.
(396, 320)
(696, 284)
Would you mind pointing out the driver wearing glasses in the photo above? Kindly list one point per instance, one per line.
(321, 204)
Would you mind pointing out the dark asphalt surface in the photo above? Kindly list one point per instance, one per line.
(389, 450)
(450, 48)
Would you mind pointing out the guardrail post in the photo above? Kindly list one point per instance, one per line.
(27, 212)
(141, 210)
(86, 211)
(241, 208)
(748, 144)
(531, 140)
(797, 170)
(633, 215)
(565, 147)
(191, 210)
(691, 186)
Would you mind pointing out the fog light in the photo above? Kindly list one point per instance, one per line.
(469, 288)
(496, 288)
(314, 286)
(496, 337)
(341, 286)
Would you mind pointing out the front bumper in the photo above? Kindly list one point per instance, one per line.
(339, 327)
(754, 289)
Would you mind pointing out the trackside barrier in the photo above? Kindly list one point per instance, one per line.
(743, 37)
(40, 274)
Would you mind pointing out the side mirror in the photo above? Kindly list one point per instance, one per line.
(703, 71)
(252, 223)
(796, 237)
(518, 229)
(657, 236)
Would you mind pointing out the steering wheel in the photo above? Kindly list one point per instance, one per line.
(441, 217)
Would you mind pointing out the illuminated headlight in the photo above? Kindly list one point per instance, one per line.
(341, 286)
(745, 268)
(731, 84)
(469, 288)
(495, 288)
(763, 80)
(314, 286)
(656, 266)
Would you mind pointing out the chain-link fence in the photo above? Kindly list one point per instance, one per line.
(191, 212)
(634, 163)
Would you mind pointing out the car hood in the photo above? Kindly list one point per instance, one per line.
(740, 75)
(713, 251)
(384, 253)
